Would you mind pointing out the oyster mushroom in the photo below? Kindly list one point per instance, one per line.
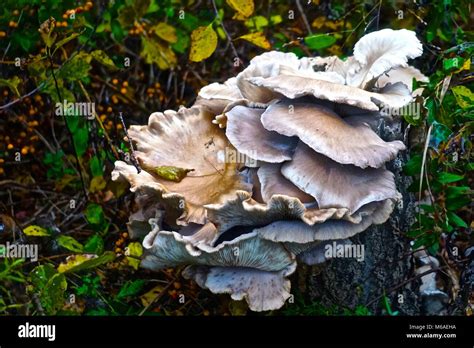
(319, 167)
(183, 139)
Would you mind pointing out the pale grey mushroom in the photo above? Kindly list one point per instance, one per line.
(263, 290)
(319, 167)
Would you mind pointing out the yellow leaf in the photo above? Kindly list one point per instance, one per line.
(36, 231)
(203, 43)
(244, 8)
(157, 52)
(257, 39)
(165, 32)
(151, 295)
(97, 184)
(134, 250)
(466, 65)
(80, 262)
(175, 174)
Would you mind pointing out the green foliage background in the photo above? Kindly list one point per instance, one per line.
(134, 57)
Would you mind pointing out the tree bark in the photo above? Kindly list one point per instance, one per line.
(388, 266)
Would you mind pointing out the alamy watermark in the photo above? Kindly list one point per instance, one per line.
(19, 251)
(230, 155)
(75, 109)
(344, 250)
(412, 109)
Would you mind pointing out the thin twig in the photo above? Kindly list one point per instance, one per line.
(132, 157)
(226, 32)
(303, 15)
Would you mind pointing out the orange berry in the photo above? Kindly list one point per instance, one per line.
(109, 109)
(118, 250)
(10, 146)
(3, 34)
(206, 313)
(125, 235)
(65, 16)
(22, 134)
(24, 150)
(119, 126)
(5, 93)
(123, 90)
(16, 12)
(115, 81)
(2, 161)
(2, 171)
(11, 24)
(125, 83)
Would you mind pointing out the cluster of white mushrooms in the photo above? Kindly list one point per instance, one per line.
(313, 168)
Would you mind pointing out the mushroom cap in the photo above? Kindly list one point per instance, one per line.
(337, 185)
(164, 249)
(404, 75)
(262, 290)
(273, 183)
(216, 96)
(185, 139)
(145, 185)
(293, 231)
(344, 141)
(292, 86)
(380, 51)
(243, 210)
(246, 132)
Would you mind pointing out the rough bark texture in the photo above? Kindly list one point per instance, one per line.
(388, 265)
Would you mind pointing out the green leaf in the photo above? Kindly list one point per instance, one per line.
(94, 245)
(464, 96)
(175, 174)
(454, 204)
(319, 41)
(36, 231)
(130, 288)
(95, 165)
(182, 43)
(77, 68)
(70, 243)
(456, 191)
(94, 214)
(257, 23)
(81, 139)
(203, 43)
(104, 59)
(12, 84)
(413, 166)
(51, 287)
(165, 32)
(77, 263)
(456, 220)
(154, 51)
(446, 178)
(452, 63)
(135, 250)
(64, 41)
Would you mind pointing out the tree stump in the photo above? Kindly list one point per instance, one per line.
(388, 265)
